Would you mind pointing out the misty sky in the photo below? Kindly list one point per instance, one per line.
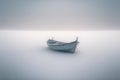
(65, 14)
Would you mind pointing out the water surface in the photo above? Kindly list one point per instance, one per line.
(24, 55)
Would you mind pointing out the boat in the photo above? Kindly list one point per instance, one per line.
(62, 46)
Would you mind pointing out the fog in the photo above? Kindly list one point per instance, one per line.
(26, 25)
(25, 55)
(60, 14)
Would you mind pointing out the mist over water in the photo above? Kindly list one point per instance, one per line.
(25, 55)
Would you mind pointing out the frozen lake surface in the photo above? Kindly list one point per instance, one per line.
(24, 56)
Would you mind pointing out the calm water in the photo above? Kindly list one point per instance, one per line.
(24, 55)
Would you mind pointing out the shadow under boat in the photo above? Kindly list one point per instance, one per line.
(62, 46)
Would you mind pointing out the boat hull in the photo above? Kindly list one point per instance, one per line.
(67, 47)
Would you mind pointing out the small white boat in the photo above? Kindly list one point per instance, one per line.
(62, 46)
